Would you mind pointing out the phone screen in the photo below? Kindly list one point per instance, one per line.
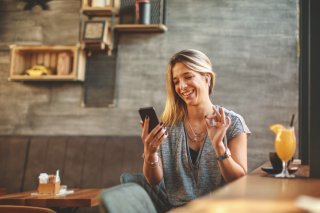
(153, 119)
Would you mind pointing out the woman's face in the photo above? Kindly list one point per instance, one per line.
(191, 86)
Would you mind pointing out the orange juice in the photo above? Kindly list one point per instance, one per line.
(285, 144)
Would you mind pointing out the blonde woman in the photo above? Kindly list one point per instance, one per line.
(199, 145)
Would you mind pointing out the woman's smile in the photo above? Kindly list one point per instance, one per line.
(187, 94)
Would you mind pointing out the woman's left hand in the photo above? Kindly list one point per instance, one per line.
(217, 125)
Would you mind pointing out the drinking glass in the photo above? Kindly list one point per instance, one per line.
(285, 146)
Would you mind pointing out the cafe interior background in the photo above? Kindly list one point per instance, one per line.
(253, 46)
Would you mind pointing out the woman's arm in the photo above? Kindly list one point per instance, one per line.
(152, 169)
(152, 166)
(234, 166)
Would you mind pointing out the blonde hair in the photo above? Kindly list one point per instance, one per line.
(175, 107)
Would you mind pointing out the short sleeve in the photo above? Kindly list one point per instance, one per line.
(237, 126)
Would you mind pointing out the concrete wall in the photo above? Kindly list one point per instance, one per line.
(253, 45)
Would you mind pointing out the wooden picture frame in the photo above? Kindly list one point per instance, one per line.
(94, 31)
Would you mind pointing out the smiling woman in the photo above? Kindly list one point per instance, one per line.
(198, 145)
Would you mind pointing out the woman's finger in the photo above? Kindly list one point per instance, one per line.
(210, 120)
(216, 113)
(223, 118)
(145, 128)
(212, 116)
(152, 134)
(156, 143)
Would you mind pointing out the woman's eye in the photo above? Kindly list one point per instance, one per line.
(188, 77)
(176, 82)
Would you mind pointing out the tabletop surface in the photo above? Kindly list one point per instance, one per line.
(259, 184)
(258, 192)
(80, 198)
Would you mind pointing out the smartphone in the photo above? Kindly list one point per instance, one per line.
(153, 119)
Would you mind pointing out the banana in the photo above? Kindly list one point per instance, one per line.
(38, 70)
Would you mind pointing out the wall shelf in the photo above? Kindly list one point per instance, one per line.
(66, 63)
(97, 11)
(41, 78)
(137, 28)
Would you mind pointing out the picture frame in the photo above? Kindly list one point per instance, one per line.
(95, 31)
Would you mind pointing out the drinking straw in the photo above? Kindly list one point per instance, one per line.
(292, 120)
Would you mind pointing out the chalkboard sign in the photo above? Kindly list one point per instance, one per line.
(100, 80)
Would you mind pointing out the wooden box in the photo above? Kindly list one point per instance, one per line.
(51, 187)
(111, 5)
(63, 62)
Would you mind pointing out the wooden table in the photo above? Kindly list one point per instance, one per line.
(258, 192)
(80, 198)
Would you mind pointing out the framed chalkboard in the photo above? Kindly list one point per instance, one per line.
(100, 80)
(94, 31)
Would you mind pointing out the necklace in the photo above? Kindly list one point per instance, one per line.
(198, 137)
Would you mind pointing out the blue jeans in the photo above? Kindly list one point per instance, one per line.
(157, 193)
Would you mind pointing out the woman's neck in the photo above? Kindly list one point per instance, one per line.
(199, 111)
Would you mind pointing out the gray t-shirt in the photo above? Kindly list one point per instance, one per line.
(183, 180)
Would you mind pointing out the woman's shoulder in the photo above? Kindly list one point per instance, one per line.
(237, 121)
(232, 114)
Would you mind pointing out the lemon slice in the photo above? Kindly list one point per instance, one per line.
(276, 128)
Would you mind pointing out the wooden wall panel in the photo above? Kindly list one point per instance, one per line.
(90, 161)
(74, 161)
(2, 159)
(113, 161)
(132, 153)
(93, 164)
(36, 161)
(13, 156)
(55, 154)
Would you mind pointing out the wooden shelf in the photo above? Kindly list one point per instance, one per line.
(137, 28)
(41, 78)
(97, 11)
(66, 63)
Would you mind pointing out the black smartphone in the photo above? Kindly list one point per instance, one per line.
(153, 119)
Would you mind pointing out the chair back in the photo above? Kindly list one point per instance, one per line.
(24, 209)
(129, 197)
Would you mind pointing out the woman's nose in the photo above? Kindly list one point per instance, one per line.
(183, 85)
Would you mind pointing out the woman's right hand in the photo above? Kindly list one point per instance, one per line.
(152, 140)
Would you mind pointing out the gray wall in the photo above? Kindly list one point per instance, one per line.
(253, 45)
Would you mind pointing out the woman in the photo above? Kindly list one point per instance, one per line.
(198, 145)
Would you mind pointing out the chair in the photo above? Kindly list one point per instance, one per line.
(129, 197)
(24, 209)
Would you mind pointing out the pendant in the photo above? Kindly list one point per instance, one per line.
(195, 139)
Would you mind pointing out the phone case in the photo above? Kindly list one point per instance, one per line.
(153, 122)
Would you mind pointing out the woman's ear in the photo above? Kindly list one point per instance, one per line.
(207, 77)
